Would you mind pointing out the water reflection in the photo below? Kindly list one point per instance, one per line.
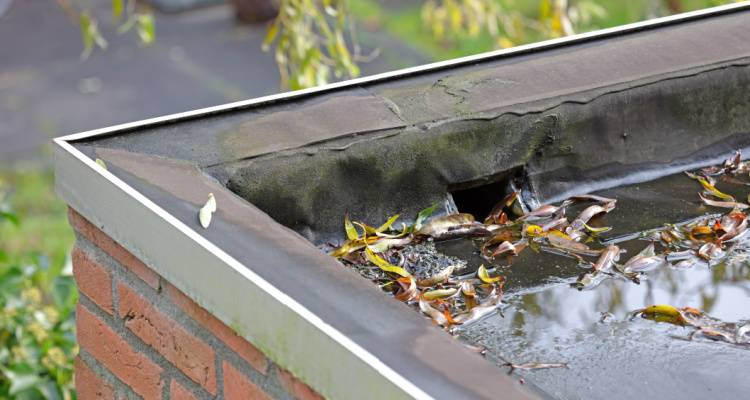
(546, 320)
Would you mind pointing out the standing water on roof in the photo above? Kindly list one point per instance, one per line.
(641, 289)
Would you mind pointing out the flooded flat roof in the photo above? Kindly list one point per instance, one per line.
(608, 353)
(584, 116)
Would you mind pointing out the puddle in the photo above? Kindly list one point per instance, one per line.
(544, 319)
(608, 355)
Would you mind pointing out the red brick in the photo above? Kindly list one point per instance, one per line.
(237, 343)
(108, 245)
(93, 280)
(189, 354)
(238, 386)
(296, 387)
(89, 385)
(130, 366)
(178, 392)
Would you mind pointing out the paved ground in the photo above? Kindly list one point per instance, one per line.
(201, 58)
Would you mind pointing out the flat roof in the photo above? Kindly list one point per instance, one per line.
(333, 329)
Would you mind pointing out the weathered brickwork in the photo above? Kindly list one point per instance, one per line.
(141, 337)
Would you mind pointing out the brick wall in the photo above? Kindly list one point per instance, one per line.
(141, 337)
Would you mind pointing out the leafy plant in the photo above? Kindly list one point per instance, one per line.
(311, 43)
(37, 328)
(311, 48)
(127, 16)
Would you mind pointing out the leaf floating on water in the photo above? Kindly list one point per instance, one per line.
(487, 307)
(646, 260)
(205, 213)
(534, 230)
(541, 212)
(605, 262)
(495, 216)
(710, 188)
(722, 204)
(469, 293)
(484, 275)
(101, 163)
(569, 245)
(589, 280)
(597, 230)
(585, 216)
(710, 251)
(508, 247)
(384, 265)
(662, 313)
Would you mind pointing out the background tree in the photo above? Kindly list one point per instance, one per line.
(315, 40)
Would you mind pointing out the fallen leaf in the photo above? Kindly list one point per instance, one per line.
(384, 265)
(351, 231)
(484, 275)
(205, 213)
(439, 294)
(437, 316)
(440, 277)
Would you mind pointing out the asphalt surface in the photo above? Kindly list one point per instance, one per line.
(200, 58)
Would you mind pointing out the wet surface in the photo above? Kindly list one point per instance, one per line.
(608, 354)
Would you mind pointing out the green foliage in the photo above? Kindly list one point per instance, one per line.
(135, 17)
(441, 28)
(37, 299)
(310, 42)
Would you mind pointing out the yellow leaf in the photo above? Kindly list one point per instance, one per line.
(439, 294)
(351, 231)
(663, 313)
(273, 30)
(385, 265)
(534, 230)
(387, 224)
(713, 190)
(484, 275)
